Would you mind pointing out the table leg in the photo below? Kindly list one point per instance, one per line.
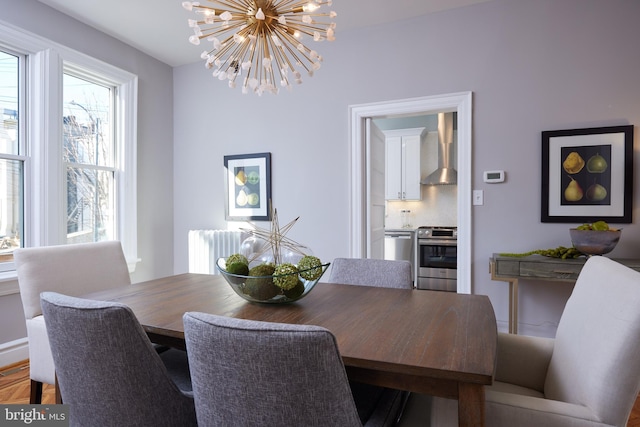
(471, 410)
(513, 306)
(513, 297)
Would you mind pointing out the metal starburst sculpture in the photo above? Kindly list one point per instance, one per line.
(276, 239)
(261, 39)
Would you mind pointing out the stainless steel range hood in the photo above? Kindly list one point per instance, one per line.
(446, 172)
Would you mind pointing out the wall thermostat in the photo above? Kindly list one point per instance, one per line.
(493, 177)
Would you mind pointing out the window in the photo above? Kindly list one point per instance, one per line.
(11, 158)
(67, 148)
(89, 157)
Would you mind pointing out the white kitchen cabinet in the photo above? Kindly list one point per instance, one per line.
(402, 164)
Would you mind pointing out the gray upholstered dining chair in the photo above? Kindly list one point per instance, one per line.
(371, 272)
(378, 273)
(73, 269)
(588, 375)
(251, 373)
(108, 371)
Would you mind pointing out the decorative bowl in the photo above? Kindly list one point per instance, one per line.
(594, 242)
(261, 288)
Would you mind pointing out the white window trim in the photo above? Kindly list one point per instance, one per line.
(44, 207)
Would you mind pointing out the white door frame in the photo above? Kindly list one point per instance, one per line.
(461, 103)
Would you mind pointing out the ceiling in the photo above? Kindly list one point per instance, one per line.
(165, 36)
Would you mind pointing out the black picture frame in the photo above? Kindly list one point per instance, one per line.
(605, 183)
(248, 186)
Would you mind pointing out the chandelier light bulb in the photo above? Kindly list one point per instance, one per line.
(260, 42)
(330, 35)
(310, 7)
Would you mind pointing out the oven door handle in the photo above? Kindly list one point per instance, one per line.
(429, 242)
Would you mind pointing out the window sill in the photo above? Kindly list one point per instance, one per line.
(9, 283)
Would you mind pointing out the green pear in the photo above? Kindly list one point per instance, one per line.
(597, 164)
(573, 192)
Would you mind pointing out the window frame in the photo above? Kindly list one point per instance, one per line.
(114, 166)
(21, 155)
(44, 169)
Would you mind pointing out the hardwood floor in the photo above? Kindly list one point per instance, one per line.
(634, 418)
(15, 385)
(14, 388)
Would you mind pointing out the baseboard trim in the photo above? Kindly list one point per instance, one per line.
(14, 351)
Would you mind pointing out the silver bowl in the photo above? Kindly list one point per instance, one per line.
(262, 289)
(594, 242)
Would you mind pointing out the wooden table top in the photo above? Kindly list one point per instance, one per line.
(446, 334)
(438, 343)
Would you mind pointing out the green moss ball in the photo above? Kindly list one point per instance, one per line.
(237, 258)
(285, 276)
(265, 269)
(238, 268)
(312, 265)
(296, 291)
(237, 264)
(261, 288)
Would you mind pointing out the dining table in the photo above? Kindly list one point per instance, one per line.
(432, 342)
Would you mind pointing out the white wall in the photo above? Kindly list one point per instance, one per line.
(155, 143)
(532, 66)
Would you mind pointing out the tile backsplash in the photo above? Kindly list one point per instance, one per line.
(438, 207)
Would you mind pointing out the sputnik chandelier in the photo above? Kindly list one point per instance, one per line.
(261, 39)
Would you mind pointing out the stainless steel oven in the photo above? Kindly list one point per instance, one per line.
(437, 258)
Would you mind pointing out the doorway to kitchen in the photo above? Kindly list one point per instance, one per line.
(363, 203)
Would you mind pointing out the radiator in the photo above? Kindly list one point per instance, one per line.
(206, 246)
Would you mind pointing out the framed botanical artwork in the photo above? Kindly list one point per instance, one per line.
(587, 175)
(248, 184)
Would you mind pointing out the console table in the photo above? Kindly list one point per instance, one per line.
(537, 267)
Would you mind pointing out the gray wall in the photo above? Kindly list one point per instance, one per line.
(532, 66)
(155, 142)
